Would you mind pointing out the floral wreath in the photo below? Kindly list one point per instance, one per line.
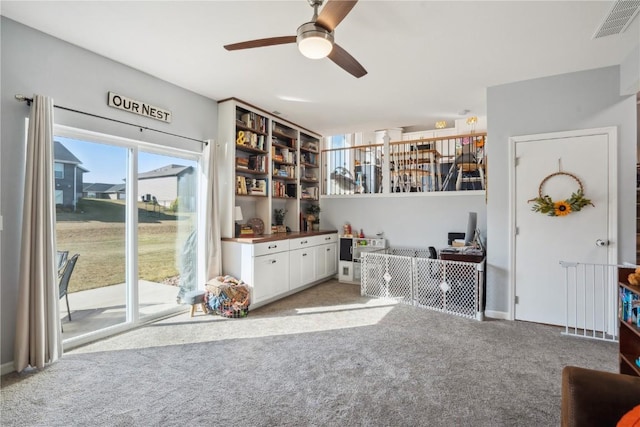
(545, 205)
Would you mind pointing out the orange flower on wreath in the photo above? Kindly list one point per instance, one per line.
(562, 208)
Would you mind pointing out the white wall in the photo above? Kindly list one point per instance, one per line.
(33, 62)
(164, 189)
(581, 100)
(410, 221)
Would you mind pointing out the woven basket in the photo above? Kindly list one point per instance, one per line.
(233, 310)
(228, 298)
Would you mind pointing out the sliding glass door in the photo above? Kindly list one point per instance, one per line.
(90, 222)
(167, 238)
(130, 212)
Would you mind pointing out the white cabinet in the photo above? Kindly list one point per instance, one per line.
(269, 280)
(276, 268)
(315, 260)
(263, 266)
(301, 267)
(326, 256)
(326, 260)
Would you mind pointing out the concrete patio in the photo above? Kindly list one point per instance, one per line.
(99, 308)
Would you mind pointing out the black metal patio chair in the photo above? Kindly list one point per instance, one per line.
(61, 260)
(64, 280)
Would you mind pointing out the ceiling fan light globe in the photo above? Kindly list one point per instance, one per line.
(315, 47)
(313, 41)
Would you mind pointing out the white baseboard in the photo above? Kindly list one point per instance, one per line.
(6, 368)
(497, 314)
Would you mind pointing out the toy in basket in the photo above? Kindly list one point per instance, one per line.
(227, 296)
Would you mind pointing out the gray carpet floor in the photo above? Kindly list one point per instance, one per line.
(323, 357)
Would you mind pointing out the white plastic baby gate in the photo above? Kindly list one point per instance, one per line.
(410, 277)
(591, 298)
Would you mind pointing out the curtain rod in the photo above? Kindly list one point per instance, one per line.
(23, 98)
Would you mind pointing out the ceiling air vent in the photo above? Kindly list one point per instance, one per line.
(618, 19)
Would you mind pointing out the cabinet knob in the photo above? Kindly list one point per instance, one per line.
(304, 254)
(273, 261)
(601, 242)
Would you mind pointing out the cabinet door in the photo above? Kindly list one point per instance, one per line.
(302, 267)
(346, 249)
(321, 262)
(331, 257)
(271, 275)
(326, 260)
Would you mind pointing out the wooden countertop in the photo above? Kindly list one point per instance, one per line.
(277, 236)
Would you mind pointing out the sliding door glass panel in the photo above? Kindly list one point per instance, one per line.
(167, 238)
(90, 222)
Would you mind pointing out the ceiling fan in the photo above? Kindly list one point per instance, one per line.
(315, 38)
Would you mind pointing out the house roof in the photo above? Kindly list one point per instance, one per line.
(169, 170)
(61, 154)
(99, 187)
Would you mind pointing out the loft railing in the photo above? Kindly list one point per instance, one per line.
(453, 163)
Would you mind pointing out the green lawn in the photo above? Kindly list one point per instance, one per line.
(97, 233)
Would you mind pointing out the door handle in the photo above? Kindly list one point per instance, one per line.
(601, 242)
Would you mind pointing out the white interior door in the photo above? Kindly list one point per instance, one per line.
(542, 241)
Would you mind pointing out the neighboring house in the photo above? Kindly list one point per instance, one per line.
(104, 191)
(68, 176)
(167, 184)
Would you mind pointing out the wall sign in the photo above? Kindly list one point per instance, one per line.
(138, 107)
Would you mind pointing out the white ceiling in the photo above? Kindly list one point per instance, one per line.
(426, 60)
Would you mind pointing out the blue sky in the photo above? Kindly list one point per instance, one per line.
(107, 163)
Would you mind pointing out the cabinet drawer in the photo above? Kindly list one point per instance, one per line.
(304, 242)
(327, 238)
(270, 247)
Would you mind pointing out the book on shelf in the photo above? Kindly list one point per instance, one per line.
(257, 163)
(259, 187)
(246, 231)
(629, 302)
(285, 171)
(253, 121)
(241, 185)
(282, 189)
(309, 193)
(310, 145)
(308, 158)
(242, 162)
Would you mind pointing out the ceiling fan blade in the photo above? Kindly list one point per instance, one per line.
(347, 62)
(271, 41)
(334, 12)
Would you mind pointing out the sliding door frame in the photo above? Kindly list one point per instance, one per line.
(192, 150)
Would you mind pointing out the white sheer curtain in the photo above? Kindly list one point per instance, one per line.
(38, 330)
(213, 246)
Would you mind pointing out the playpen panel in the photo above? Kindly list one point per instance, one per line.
(409, 276)
(387, 276)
